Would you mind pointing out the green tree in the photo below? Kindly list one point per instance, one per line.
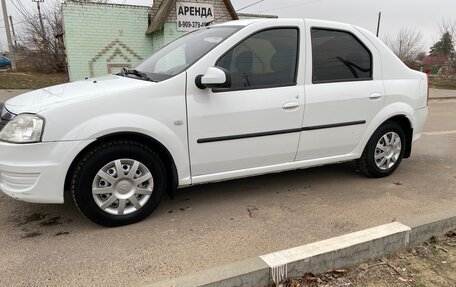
(443, 47)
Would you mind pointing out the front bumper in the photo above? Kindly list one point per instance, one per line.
(36, 172)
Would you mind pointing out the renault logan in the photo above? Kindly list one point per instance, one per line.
(233, 100)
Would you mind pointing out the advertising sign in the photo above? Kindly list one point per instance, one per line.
(191, 16)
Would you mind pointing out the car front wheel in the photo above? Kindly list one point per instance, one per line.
(384, 151)
(118, 183)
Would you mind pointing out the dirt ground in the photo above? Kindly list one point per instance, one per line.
(443, 83)
(30, 81)
(430, 264)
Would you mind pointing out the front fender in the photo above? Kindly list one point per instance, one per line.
(170, 136)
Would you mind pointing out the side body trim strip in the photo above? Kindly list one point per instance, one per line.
(278, 132)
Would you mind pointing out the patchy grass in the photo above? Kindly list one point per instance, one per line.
(430, 264)
(30, 81)
(443, 83)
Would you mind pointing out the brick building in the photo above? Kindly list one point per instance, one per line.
(102, 38)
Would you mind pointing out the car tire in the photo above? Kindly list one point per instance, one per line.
(118, 183)
(384, 151)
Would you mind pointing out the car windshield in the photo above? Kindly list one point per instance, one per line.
(183, 52)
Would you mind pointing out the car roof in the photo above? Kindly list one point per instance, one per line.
(309, 22)
(246, 22)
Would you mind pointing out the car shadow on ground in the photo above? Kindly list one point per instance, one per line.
(257, 187)
(250, 186)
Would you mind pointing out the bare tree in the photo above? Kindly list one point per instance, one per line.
(45, 48)
(407, 44)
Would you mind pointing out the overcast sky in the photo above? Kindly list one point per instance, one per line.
(424, 15)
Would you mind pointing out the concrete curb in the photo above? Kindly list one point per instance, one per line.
(333, 253)
(427, 226)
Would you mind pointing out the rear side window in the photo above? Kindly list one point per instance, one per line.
(265, 59)
(339, 56)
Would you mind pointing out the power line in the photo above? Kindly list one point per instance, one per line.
(209, 23)
(20, 11)
(23, 12)
(21, 22)
(250, 5)
(25, 21)
(23, 8)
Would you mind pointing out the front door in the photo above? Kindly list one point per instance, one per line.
(255, 122)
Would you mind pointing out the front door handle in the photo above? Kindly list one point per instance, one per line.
(375, 96)
(290, 105)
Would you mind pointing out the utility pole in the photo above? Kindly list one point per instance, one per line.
(378, 23)
(43, 33)
(14, 33)
(8, 35)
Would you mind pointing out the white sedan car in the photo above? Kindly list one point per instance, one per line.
(239, 99)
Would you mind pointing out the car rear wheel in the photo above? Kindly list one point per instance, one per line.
(384, 151)
(118, 183)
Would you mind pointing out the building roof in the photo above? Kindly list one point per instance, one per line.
(157, 22)
(434, 60)
(165, 6)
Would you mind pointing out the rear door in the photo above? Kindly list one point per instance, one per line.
(344, 91)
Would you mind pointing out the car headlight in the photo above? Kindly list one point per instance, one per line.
(23, 128)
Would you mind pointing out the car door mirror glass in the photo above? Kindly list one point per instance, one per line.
(215, 77)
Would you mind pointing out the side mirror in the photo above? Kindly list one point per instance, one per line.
(216, 77)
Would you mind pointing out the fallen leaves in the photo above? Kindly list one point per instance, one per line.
(429, 264)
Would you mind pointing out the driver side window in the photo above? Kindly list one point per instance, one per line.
(265, 59)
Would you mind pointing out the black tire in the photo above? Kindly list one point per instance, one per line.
(367, 164)
(87, 168)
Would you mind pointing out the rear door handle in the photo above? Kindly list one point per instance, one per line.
(290, 105)
(375, 96)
